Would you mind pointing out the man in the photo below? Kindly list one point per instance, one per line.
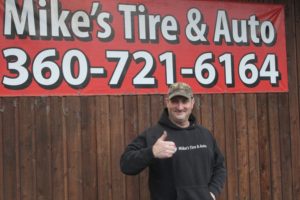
(184, 160)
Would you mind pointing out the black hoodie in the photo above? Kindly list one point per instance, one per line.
(196, 168)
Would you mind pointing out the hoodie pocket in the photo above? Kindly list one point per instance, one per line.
(193, 193)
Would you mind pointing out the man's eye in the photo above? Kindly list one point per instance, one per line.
(174, 101)
(180, 100)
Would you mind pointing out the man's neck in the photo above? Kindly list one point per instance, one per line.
(181, 125)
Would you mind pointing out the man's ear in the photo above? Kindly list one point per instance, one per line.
(193, 101)
(166, 100)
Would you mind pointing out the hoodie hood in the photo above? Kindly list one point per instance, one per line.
(165, 121)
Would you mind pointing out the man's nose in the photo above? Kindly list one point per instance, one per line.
(180, 105)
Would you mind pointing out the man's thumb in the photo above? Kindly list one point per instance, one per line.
(163, 137)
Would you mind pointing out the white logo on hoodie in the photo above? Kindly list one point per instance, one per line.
(191, 147)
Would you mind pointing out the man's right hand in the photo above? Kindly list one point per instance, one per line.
(162, 148)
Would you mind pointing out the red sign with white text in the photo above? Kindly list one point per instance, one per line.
(140, 47)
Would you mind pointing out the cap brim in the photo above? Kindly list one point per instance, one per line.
(179, 94)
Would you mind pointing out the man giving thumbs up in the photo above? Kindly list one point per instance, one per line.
(162, 148)
(184, 160)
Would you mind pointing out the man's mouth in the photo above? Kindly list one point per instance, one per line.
(180, 112)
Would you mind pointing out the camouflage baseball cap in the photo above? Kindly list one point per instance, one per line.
(180, 89)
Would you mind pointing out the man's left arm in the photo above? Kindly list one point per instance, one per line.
(218, 177)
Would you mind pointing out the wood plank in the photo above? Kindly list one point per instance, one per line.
(242, 146)
(27, 148)
(17, 150)
(116, 107)
(43, 149)
(274, 147)
(157, 106)
(9, 149)
(89, 147)
(295, 135)
(71, 106)
(1, 152)
(231, 148)
(219, 127)
(253, 147)
(103, 148)
(292, 24)
(130, 132)
(197, 108)
(144, 121)
(264, 147)
(65, 149)
(58, 143)
(290, 132)
(218, 113)
(206, 112)
(285, 147)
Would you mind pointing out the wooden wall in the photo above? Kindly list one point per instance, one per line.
(68, 148)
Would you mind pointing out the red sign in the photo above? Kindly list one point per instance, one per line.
(140, 47)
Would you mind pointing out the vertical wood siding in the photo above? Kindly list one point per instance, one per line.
(68, 148)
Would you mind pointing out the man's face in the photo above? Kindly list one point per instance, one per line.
(180, 109)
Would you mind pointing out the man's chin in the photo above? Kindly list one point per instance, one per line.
(180, 119)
